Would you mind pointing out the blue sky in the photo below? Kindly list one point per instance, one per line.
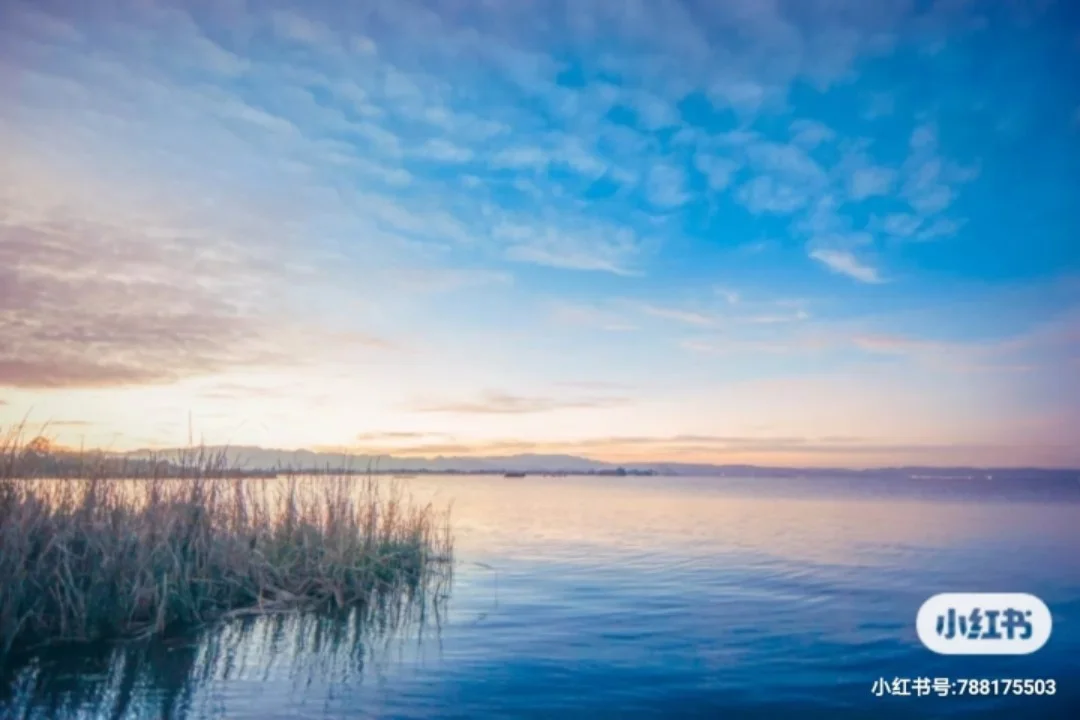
(837, 233)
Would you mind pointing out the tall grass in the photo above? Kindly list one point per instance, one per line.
(92, 557)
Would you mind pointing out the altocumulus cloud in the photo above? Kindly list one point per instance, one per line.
(499, 403)
(96, 294)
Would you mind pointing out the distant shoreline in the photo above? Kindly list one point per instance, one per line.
(44, 459)
(915, 474)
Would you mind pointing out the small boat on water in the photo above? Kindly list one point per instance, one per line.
(514, 475)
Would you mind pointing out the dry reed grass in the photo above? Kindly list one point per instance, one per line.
(90, 557)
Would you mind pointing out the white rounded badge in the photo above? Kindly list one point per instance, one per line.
(984, 623)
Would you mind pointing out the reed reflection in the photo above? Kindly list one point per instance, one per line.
(188, 674)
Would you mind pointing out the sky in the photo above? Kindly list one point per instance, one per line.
(819, 232)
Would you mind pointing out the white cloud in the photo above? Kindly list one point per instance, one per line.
(653, 111)
(573, 153)
(924, 190)
(743, 96)
(870, 181)
(940, 227)
(786, 181)
(731, 297)
(463, 125)
(908, 226)
(440, 280)
(665, 186)
(445, 151)
(719, 171)
(902, 225)
(216, 58)
(777, 318)
(844, 262)
(390, 175)
(680, 315)
(930, 182)
(924, 137)
(363, 45)
(42, 24)
(239, 110)
(788, 162)
(596, 248)
(589, 316)
(765, 194)
(809, 134)
(380, 138)
(358, 99)
(301, 29)
(428, 223)
(518, 158)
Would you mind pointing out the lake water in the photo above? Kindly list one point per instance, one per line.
(641, 598)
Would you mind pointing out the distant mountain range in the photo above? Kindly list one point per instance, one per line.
(262, 459)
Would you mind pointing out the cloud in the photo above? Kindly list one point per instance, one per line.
(1047, 345)
(84, 311)
(786, 178)
(777, 318)
(42, 24)
(107, 283)
(731, 297)
(588, 316)
(898, 344)
(900, 225)
(870, 181)
(573, 153)
(363, 45)
(923, 191)
(594, 385)
(377, 437)
(557, 149)
(653, 111)
(939, 228)
(497, 403)
(929, 184)
(433, 223)
(800, 344)
(809, 134)
(768, 195)
(745, 97)
(845, 263)
(302, 29)
(665, 186)
(217, 59)
(590, 248)
(440, 280)
(810, 450)
(686, 317)
(718, 171)
(956, 357)
(517, 158)
(291, 126)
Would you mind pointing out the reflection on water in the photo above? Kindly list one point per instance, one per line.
(192, 674)
(635, 598)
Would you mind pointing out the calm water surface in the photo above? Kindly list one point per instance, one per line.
(640, 598)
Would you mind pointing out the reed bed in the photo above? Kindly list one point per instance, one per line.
(99, 558)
